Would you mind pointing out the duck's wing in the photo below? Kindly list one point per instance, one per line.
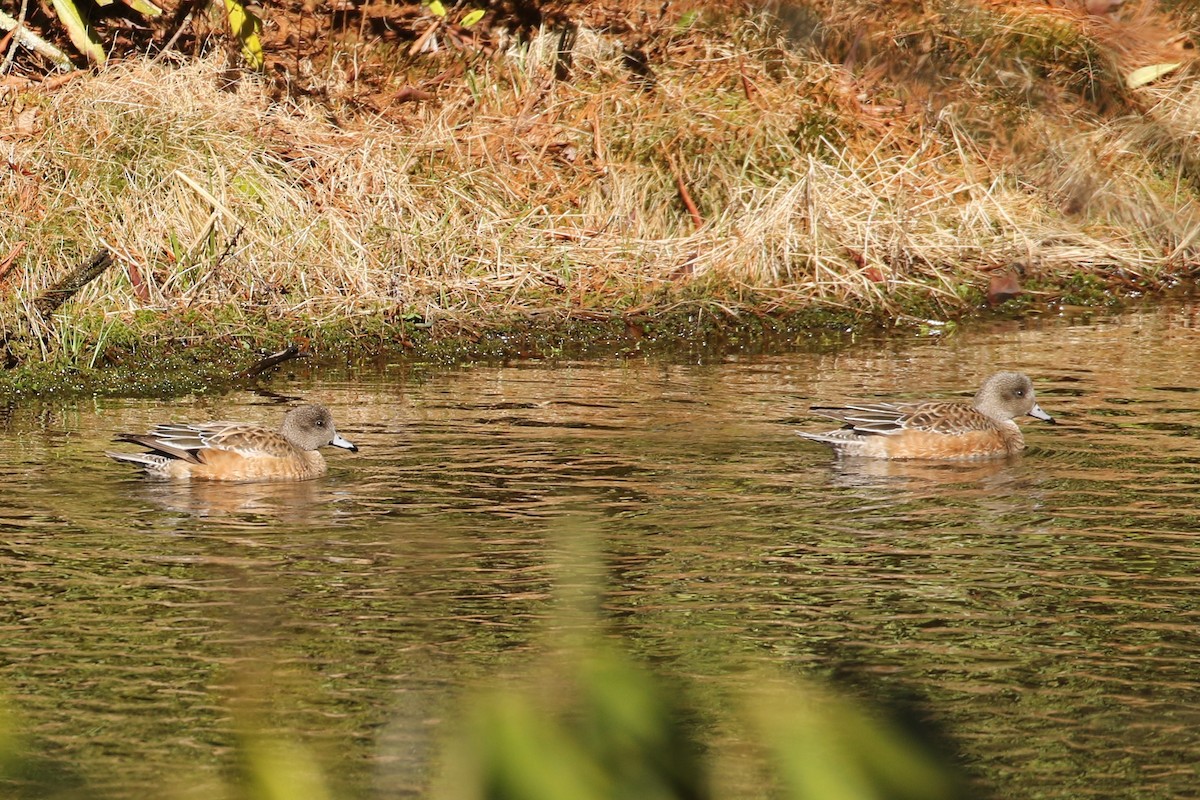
(888, 419)
(188, 440)
(165, 443)
(867, 418)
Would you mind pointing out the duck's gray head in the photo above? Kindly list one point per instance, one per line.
(1007, 395)
(309, 427)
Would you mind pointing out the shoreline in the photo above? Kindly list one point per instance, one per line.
(217, 357)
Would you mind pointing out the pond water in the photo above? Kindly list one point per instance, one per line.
(1046, 607)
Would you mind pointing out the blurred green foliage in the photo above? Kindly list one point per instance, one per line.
(611, 728)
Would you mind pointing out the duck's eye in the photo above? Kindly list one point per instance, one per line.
(1019, 392)
(320, 423)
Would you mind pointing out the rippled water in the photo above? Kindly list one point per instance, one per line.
(1047, 607)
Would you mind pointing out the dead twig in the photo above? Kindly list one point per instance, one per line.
(684, 194)
(423, 41)
(564, 55)
(6, 264)
(181, 20)
(191, 293)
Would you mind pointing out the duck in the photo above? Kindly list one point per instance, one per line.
(237, 451)
(936, 429)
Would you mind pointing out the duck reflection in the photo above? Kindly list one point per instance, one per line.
(304, 502)
(861, 472)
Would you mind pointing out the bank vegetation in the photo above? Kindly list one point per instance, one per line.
(392, 176)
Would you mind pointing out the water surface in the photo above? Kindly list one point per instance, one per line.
(1046, 606)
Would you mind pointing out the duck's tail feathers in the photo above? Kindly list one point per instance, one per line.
(148, 461)
(841, 436)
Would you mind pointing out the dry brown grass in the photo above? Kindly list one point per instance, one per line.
(843, 182)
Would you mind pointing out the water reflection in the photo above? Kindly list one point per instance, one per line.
(995, 473)
(1046, 604)
(306, 502)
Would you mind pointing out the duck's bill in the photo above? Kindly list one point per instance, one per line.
(345, 444)
(1036, 411)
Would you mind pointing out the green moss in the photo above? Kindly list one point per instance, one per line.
(1086, 289)
(188, 353)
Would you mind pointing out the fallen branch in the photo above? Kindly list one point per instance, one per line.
(49, 301)
(287, 354)
(13, 342)
(31, 41)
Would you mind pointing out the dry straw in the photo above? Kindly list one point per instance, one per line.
(748, 170)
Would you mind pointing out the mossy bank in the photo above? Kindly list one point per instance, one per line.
(170, 356)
